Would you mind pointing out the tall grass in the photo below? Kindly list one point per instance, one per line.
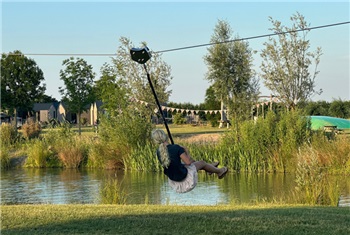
(143, 158)
(105, 155)
(112, 192)
(317, 162)
(31, 129)
(8, 134)
(4, 157)
(269, 144)
(314, 184)
(38, 153)
(71, 156)
(70, 149)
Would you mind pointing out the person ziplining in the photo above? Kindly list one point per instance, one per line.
(176, 160)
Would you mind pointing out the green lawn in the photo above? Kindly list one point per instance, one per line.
(165, 219)
(175, 130)
(189, 129)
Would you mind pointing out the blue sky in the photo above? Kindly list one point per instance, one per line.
(95, 27)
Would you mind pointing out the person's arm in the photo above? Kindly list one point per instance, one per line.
(186, 158)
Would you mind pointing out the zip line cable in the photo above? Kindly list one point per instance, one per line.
(254, 37)
(191, 47)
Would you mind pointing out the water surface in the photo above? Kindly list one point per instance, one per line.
(72, 186)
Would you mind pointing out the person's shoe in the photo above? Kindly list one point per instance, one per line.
(222, 175)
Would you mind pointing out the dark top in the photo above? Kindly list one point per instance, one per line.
(176, 171)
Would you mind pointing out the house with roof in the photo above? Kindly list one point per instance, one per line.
(63, 114)
(92, 111)
(59, 111)
(44, 112)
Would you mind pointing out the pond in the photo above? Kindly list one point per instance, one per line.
(86, 186)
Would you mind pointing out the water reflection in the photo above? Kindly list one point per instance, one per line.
(71, 186)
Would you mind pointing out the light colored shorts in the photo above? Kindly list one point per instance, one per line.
(188, 183)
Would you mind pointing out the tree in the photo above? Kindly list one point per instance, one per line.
(135, 77)
(110, 90)
(127, 123)
(319, 108)
(339, 108)
(78, 93)
(287, 61)
(211, 103)
(21, 82)
(229, 69)
(47, 99)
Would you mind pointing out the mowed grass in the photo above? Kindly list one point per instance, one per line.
(189, 129)
(175, 130)
(166, 219)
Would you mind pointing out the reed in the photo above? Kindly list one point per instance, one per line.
(4, 157)
(314, 183)
(38, 153)
(31, 129)
(8, 134)
(71, 156)
(143, 158)
(104, 155)
(112, 192)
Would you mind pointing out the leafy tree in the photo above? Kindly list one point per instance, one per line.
(135, 78)
(78, 92)
(111, 91)
(339, 108)
(211, 103)
(126, 124)
(287, 61)
(47, 99)
(21, 82)
(229, 69)
(319, 108)
(122, 128)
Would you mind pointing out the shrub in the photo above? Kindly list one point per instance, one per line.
(270, 144)
(125, 131)
(8, 134)
(38, 153)
(104, 155)
(4, 157)
(178, 119)
(31, 130)
(72, 152)
(314, 184)
(71, 156)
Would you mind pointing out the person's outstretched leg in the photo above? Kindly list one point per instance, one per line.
(202, 165)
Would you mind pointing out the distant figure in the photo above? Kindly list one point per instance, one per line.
(97, 122)
(178, 165)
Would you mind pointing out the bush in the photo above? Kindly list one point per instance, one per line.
(72, 152)
(8, 134)
(125, 131)
(178, 119)
(314, 184)
(270, 144)
(31, 130)
(104, 155)
(38, 154)
(4, 157)
(71, 156)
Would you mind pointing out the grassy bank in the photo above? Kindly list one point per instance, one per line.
(155, 219)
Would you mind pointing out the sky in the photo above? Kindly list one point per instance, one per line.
(95, 27)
